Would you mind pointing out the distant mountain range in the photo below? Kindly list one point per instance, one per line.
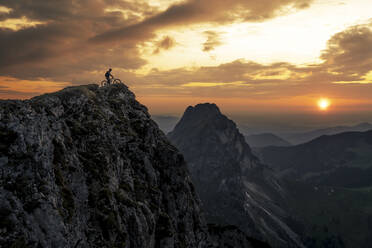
(329, 180)
(343, 160)
(299, 138)
(265, 139)
(318, 191)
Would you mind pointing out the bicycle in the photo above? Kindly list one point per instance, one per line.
(112, 81)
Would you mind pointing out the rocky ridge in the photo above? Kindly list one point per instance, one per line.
(87, 167)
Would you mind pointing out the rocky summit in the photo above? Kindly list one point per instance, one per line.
(234, 186)
(87, 167)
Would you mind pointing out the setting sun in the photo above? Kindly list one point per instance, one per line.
(323, 104)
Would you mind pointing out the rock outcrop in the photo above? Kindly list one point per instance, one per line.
(234, 187)
(87, 167)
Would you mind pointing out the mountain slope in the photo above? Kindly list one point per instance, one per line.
(299, 138)
(87, 167)
(343, 160)
(265, 139)
(235, 188)
(334, 217)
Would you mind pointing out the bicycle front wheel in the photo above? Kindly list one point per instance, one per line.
(117, 81)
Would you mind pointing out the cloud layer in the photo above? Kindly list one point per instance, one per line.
(75, 41)
(346, 72)
(58, 49)
(83, 36)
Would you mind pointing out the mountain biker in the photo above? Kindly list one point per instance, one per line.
(108, 75)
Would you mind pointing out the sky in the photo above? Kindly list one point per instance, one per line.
(252, 58)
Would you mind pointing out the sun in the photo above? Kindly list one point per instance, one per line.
(323, 104)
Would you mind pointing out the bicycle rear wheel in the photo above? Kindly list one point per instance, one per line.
(104, 83)
(117, 81)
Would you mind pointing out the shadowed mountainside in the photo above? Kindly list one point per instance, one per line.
(299, 138)
(265, 139)
(330, 183)
(235, 188)
(343, 160)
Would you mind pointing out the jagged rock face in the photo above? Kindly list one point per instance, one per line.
(87, 167)
(207, 130)
(231, 236)
(235, 188)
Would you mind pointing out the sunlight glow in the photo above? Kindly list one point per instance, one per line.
(27, 88)
(323, 104)
(4, 9)
(206, 84)
(297, 38)
(19, 23)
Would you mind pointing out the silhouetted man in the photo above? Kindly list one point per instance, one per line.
(108, 76)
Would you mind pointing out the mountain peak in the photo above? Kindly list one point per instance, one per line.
(210, 107)
(203, 116)
(202, 110)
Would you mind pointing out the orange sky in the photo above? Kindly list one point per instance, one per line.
(260, 56)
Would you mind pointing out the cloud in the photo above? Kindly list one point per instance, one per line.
(57, 49)
(165, 43)
(347, 60)
(15, 88)
(78, 40)
(213, 40)
(350, 52)
(63, 44)
(205, 11)
(65, 10)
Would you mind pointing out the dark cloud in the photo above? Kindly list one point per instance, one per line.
(34, 44)
(213, 40)
(67, 10)
(350, 52)
(165, 43)
(58, 49)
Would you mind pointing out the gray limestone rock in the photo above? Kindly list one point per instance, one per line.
(87, 167)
